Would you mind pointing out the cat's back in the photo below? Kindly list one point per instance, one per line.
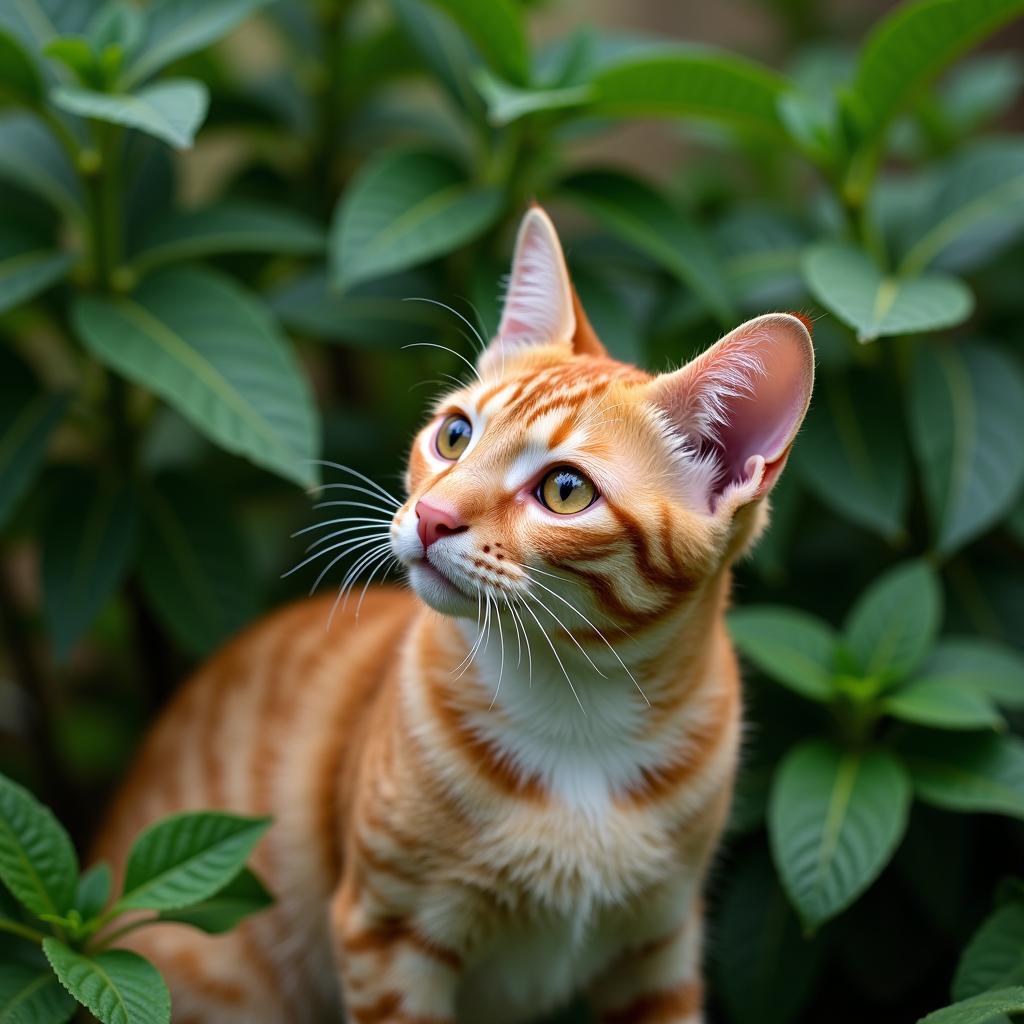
(265, 727)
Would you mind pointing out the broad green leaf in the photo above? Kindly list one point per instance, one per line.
(93, 890)
(75, 53)
(171, 110)
(792, 647)
(384, 312)
(693, 83)
(977, 209)
(20, 80)
(117, 987)
(196, 572)
(87, 538)
(37, 861)
(852, 454)
(894, 622)
(507, 103)
(28, 266)
(971, 772)
(118, 23)
(845, 281)
(764, 968)
(496, 27)
(980, 1009)
(176, 28)
(402, 209)
(229, 226)
(989, 667)
(981, 89)
(36, 22)
(186, 858)
(835, 819)
(28, 417)
(211, 350)
(633, 211)
(910, 46)
(31, 995)
(994, 958)
(243, 895)
(32, 158)
(965, 404)
(943, 704)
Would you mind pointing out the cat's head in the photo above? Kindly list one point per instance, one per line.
(561, 463)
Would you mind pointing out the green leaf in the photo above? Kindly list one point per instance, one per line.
(20, 80)
(764, 969)
(186, 858)
(36, 22)
(405, 208)
(835, 819)
(977, 209)
(973, 772)
(943, 704)
(910, 46)
(693, 83)
(28, 266)
(894, 622)
(171, 110)
(30, 995)
(176, 28)
(195, 569)
(117, 987)
(211, 350)
(374, 314)
(790, 646)
(27, 419)
(981, 89)
(989, 1006)
(242, 896)
(31, 157)
(991, 668)
(852, 454)
(965, 403)
(496, 27)
(87, 538)
(37, 861)
(78, 56)
(507, 103)
(229, 226)
(93, 890)
(845, 281)
(994, 958)
(640, 216)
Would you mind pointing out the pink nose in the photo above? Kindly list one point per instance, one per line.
(435, 523)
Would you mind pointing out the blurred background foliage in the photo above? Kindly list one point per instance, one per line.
(222, 220)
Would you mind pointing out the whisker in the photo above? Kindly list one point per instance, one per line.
(352, 487)
(352, 504)
(543, 632)
(501, 664)
(355, 472)
(444, 305)
(343, 519)
(339, 533)
(343, 588)
(356, 542)
(469, 653)
(519, 642)
(568, 633)
(349, 549)
(382, 564)
(445, 348)
(526, 639)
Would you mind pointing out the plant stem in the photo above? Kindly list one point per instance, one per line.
(22, 931)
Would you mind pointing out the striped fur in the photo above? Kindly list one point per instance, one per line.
(504, 787)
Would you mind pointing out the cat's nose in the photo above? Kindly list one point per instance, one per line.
(435, 523)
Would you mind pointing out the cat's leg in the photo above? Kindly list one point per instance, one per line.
(657, 982)
(391, 973)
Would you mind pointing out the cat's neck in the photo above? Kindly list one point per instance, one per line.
(585, 717)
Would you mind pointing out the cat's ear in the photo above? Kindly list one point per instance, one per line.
(541, 307)
(739, 405)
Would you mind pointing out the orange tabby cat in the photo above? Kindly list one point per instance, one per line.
(502, 787)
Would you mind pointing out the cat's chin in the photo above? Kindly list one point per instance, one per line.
(438, 591)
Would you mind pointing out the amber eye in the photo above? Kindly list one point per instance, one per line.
(564, 490)
(453, 437)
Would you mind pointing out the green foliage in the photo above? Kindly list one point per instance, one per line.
(164, 313)
(190, 867)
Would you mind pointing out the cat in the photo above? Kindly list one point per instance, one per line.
(502, 787)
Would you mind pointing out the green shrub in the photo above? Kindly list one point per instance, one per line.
(162, 317)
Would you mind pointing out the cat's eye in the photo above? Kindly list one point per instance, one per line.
(453, 437)
(565, 490)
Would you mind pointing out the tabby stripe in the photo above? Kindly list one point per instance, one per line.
(655, 1008)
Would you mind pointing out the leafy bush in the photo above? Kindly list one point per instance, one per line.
(188, 868)
(162, 317)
